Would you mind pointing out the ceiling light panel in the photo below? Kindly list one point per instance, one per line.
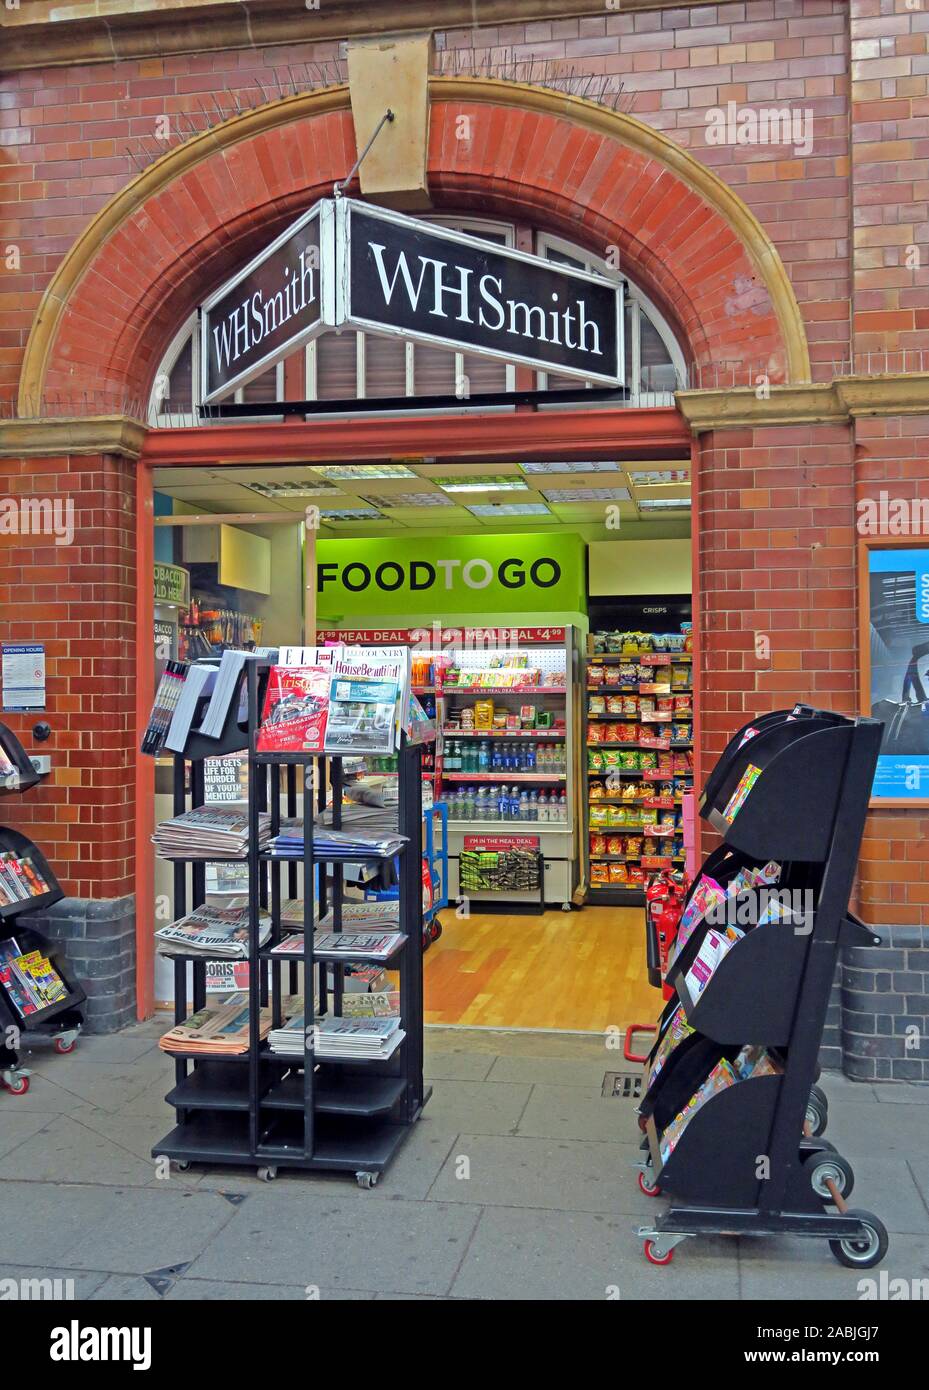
(509, 509)
(309, 487)
(570, 467)
(660, 476)
(586, 494)
(349, 471)
(484, 483)
(408, 499)
(664, 504)
(350, 514)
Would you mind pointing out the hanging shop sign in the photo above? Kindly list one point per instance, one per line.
(402, 275)
(347, 263)
(267, 309)
(894, 645)
(172, 585)
(449, 574)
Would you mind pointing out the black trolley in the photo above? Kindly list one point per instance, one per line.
(265, 1109)
(63, 1020)
(751, 1159)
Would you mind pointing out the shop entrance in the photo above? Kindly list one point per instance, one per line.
(546, 600)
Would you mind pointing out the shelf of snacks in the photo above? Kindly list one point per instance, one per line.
(638, 735)
(506, 749)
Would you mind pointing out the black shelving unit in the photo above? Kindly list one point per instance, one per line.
(262, 1108)
(805, 811)
(62, 1021)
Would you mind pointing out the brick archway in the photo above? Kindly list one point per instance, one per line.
(599, 177)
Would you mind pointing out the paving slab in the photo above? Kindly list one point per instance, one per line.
(579, 1112)
(66, 1151)
(560, 1071)
(120, 1049)
(287, 1238)
(42, 1222)
(515, 1042)
(106, 1085)
(145, 1229)
(18, 1125)
(775, 1267)
(125, 1288)
(548, 1174)
(858, 1129)
(460, 1065)
(53, 1282)
(480, 1107)
(535, 1256)
(43, 1097)
(211, 1290)
(902, 1093)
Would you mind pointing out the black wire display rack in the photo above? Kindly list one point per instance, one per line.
(262, 1108)
(751, 1158)
(62, 1021)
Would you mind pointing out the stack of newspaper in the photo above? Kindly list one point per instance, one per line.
(348, 945)
(362, 1038)
(209, 832)
(212, 932)
(336, 844)
(220, 1029)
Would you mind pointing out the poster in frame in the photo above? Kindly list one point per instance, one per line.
(893, 597)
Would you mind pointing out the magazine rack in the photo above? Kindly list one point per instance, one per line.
(261, 1108)
(749, 1161)
(63, 1020)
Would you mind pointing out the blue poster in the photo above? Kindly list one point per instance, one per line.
(899, 639)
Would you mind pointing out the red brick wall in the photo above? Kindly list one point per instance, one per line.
(890, 106)
(79, 600)
(776, 515)
(64, 132)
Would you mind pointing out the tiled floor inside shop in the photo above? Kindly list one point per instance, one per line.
(546, 1206)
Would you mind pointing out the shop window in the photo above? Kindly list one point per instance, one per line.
(654, 361)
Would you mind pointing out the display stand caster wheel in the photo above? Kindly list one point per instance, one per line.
(823, 1166)
(865, 1251)
(655, 1255)
(17, 1083)
(566, 907)
(366, 1180)
(649, 1189)
(267, 1174)
(65, 1045)
(817, 1112)
(182, 1164)
(435, 931)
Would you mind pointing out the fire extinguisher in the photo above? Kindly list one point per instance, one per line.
(664, 903)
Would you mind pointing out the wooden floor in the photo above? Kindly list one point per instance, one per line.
(581, 971)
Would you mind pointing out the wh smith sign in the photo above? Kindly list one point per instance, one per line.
(347, 263)
(400, 275)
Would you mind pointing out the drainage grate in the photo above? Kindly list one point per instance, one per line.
(622, 1085)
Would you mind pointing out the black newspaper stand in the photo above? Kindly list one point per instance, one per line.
(751, 1160)
(264, 1109)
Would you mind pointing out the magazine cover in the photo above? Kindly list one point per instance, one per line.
(361, 715)
(296, 710)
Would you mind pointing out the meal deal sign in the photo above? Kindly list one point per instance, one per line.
(451, 574)
(347, 263)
